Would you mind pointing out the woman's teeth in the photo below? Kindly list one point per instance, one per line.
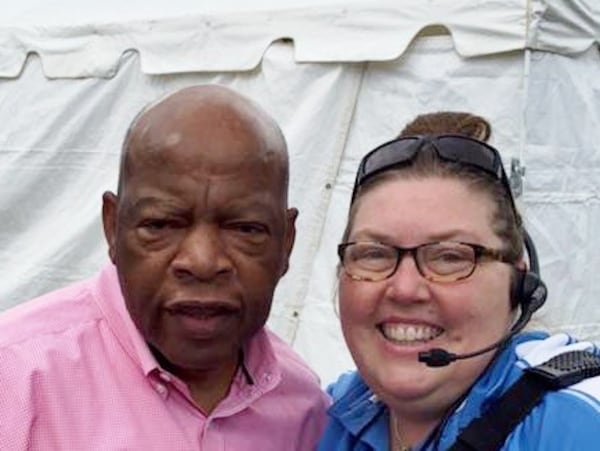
(409, 334)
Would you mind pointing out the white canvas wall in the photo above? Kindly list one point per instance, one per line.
(60, 137)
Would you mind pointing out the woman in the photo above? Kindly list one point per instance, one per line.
(432, 271)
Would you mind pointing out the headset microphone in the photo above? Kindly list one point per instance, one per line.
(529, 290)
(438, 357)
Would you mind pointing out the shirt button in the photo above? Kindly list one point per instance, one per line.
(161, 389)
(164, 377)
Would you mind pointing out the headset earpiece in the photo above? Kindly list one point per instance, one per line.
(516, 289)
(529, 292)
(534, 292)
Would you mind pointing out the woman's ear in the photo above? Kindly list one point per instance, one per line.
(522, 265)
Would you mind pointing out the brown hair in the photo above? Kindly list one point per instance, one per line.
(507, 223)
(449, 122)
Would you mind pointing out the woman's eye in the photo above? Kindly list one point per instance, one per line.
(372, 255)
(360, 252)
(450, 257)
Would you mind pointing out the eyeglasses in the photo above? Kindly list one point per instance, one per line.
(441, 261)
(455, 148)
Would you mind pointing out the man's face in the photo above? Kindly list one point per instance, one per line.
(200, 236)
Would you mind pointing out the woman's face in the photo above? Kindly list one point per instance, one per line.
(461, 317)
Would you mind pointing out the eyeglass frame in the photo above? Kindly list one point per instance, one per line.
(479, 252)
(496, 168)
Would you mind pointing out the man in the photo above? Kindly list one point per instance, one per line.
(166, 349)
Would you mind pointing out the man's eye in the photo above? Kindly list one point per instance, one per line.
(154, 224)
(249, 228)
(159, 225)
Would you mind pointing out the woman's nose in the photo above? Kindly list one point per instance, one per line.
(407, 283)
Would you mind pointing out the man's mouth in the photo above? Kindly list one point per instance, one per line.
(201, 310)
(409, 333)
(204, 320)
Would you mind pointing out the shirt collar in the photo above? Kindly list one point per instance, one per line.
(109, 298)
(259, 360)
(363, 415)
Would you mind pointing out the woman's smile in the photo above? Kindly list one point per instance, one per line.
(407, 334)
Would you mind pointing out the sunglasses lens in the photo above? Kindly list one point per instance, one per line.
(463, 150)
(456, 148)
(389, 155)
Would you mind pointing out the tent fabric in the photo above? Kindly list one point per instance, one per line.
(337, 32)
(61, 136)
(564, 27)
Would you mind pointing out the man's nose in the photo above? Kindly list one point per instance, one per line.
(202, 255)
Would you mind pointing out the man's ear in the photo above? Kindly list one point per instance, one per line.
(109, 221)
(290, 236)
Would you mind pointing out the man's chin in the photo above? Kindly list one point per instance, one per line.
(199, 358)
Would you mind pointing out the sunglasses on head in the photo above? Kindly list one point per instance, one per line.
(450, 147)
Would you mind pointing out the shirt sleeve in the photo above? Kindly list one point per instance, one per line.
(16, 402)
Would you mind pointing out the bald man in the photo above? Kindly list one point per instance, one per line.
(166, 348)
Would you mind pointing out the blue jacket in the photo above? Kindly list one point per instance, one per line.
(568, 419)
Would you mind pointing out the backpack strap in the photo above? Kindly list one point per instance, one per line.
(489, 431)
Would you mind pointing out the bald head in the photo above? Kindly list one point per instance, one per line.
(211, 111)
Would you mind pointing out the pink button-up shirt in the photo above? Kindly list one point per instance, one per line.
(75, 375)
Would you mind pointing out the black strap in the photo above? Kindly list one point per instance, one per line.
(489, 432)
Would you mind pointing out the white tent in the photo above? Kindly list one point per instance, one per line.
(340, 78)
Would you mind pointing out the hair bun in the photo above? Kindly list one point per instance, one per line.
(441, 122)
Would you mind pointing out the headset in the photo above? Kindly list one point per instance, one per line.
(528, 292)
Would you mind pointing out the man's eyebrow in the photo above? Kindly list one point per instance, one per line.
(148, 202)
(257, 206)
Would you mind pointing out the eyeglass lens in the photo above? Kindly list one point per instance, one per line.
(464, 150)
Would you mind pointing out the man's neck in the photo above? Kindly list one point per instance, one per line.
(208, 386)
